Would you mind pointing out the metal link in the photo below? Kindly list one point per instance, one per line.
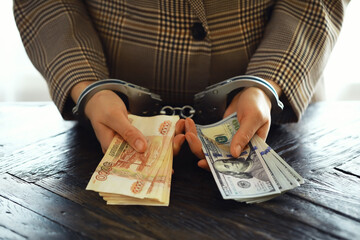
(186, 111)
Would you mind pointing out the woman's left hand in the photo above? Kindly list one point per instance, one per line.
(253, 109)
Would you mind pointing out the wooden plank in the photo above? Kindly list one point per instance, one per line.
(323, 147)
(334, 190)
(241, 221)
(40, 159)
(152, 221)
(201, 209)
(51, 155)
(24, 123)
(324, 216)
(63, 211)
(2, 150)
(352, 167)
(9, 234)
(326, 220)
(161, 222)
(17, 222)
(289, 213)
(289, 209)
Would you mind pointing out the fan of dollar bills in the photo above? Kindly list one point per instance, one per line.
(257, 175)
(126, 177)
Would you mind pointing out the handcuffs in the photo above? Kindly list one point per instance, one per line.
(209, 105)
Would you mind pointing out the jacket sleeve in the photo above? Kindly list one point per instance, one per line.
(296, 46)
(63, 45)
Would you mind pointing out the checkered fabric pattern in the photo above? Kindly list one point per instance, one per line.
(153, 44)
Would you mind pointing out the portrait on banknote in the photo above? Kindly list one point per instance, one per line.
(245, 167)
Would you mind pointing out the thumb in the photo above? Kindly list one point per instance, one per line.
(128, 132)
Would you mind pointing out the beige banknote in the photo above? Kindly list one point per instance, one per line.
(126, 172)
(158, 194)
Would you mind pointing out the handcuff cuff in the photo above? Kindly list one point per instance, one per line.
(209, 105)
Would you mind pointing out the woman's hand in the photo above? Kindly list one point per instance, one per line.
(108, 115)
(253, 109)
(195, 143)
(179, 136)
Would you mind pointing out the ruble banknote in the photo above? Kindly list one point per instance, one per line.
(125, 176)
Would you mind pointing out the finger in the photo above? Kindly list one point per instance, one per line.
(178, 142)
(264, 130)
(203, 164)
(104, 135)
(190, 126)
(229, 111)
(191, 137)
(194, 144)
(121, 124)
(247, 129)
(180, 127)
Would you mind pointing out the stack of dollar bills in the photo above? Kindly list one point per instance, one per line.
(126, 177)
(257, 175)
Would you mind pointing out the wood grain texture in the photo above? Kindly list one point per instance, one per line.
(351, 167)
(25, 123)
(46, 163)
(18, 222)
(62, 211)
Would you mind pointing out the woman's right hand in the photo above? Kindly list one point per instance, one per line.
(108, 116)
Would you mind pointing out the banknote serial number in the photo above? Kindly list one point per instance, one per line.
(104, 171)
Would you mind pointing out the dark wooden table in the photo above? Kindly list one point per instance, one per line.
(46, 163)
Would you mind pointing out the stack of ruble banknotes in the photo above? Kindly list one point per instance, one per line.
(126, 177)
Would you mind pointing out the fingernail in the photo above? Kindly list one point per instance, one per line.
(139, 145)
(237, 150)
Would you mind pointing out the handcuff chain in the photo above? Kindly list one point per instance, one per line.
(186, 111)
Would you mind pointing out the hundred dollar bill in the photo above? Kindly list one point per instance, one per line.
(268, 153)
(245, 177)
(284, 175)
(126, 172)
(259, 174)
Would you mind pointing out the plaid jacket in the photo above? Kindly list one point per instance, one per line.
(177, 48)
